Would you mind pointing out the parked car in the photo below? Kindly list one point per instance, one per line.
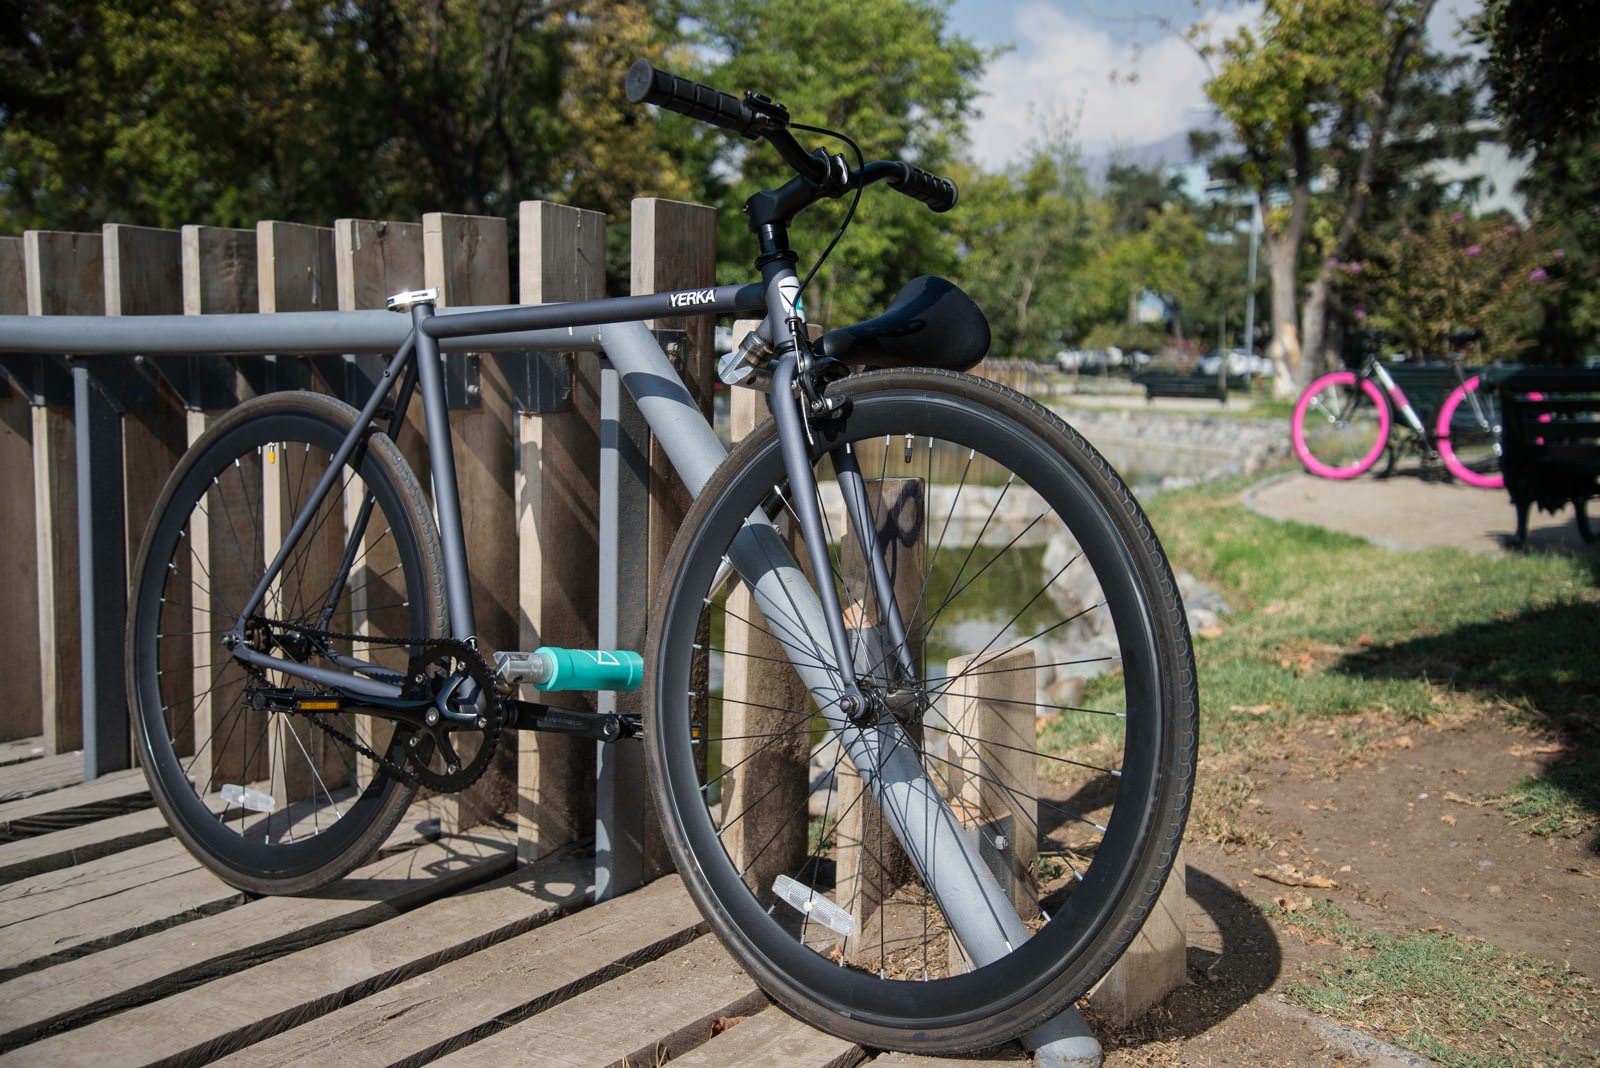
(1240, 362)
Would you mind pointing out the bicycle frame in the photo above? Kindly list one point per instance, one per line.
(610, 326)
(978, 908)
(1397, 396)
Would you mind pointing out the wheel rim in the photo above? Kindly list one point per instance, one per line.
(269, 795)
(1469, 436)
(1340, 426)
(901, 969)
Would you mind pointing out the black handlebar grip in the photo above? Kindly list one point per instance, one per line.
(938, 193)
(647, 85)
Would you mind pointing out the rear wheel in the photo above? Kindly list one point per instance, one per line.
(277, 801)
(1050, 702)
(1468, 435)
(1340, 426)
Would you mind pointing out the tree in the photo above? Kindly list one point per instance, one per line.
(1542, 73)
(1328, 70)
(1452, 273)
(1026, 235)
(889, 74)
(226, 111)
(1158, 257)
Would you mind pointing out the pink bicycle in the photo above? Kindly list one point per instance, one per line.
(1345, 421)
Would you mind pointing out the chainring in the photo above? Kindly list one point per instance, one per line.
(465, 711)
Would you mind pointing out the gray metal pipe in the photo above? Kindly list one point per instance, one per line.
(310, 333)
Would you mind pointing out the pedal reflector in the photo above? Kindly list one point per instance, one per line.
(814, 906)
(246, 798)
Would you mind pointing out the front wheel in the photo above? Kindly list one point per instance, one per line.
(1468, 435)
(1050, 703)
(1340, 425)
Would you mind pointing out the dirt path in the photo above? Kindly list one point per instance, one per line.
(1400, 824)
(1406, 512)
(1402, 844)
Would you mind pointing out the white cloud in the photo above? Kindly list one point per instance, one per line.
(1066, 66)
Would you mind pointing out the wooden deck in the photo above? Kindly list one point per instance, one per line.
(117, 948)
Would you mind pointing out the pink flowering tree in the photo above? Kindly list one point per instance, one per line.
(1452, 273)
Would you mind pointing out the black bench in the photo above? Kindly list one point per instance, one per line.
(1550, 440)
(1426, 385)
(1156, 384)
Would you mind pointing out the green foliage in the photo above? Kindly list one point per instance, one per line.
(228, 111)
(1451, 273)
(1541, 68)
(1313, 62)
(1541, 71)
(892, 76)
(1027, 238)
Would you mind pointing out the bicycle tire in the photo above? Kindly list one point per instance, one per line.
(1098, 890)
(1470, 445)
(267, 800)
(1340, 426)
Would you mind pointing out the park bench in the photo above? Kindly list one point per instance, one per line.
(1426, 385)
(1550, 440)
(1159, 384)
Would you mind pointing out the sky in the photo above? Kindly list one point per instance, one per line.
(1122, 72)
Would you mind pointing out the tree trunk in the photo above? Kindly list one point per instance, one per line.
(1284, 348)
(1313, 324)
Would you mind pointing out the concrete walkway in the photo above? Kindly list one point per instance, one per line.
(1406, 512)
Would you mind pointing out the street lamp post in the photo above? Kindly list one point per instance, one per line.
(1250, 295)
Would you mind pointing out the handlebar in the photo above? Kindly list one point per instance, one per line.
(758, 118)
(647, 85)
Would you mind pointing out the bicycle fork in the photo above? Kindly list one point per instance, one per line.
(978, 909)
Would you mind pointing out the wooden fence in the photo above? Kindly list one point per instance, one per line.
(529, 481)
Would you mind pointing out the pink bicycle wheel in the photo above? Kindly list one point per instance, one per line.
(1340, 425)
(1468, 436)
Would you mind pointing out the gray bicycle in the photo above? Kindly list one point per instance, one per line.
(920, 701)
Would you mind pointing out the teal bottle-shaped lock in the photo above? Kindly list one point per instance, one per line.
(589, 669)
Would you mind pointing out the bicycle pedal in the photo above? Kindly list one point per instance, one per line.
(552, 668)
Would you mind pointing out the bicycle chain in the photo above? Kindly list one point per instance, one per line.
(407, 773)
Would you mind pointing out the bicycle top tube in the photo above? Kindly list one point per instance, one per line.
(716, 300)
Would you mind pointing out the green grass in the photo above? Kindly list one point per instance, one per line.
(1559, 803)
(1327, 625)
(1463, 1003)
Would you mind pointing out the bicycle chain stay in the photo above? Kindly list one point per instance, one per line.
(490, 720)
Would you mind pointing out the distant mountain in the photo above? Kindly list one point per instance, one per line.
(1170, 151)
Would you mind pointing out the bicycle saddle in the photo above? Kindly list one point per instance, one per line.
(930, 323)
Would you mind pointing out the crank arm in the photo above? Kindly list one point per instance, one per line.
(601, 726)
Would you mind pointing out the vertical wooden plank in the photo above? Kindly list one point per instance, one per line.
(373, 260)
(63, 278)
(295, 272)
(21, 714)
(562, 257)
(992, 770)
(144, 276)
(219, 271)
(294, 267)
(1156, 963)
(674, 246)
(766, 754)
(870, 863)
(219, 277)
(465, 258)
